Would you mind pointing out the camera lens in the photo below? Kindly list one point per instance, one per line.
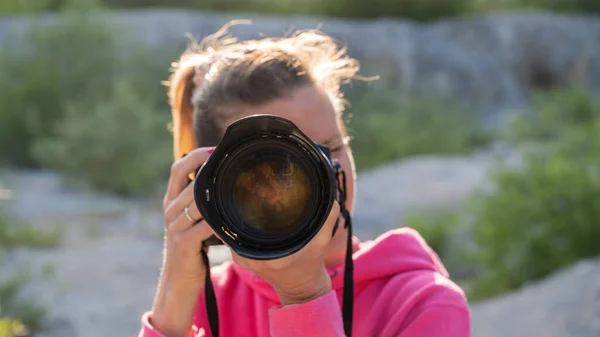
(267, 189)
(272, 195)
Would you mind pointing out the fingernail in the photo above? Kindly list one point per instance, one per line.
(210, 151)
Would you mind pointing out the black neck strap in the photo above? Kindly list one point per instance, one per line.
(210, 300)
(348, 299)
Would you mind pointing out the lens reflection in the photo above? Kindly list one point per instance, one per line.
(272, 195)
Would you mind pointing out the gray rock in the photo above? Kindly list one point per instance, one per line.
(490, 63)
(42, 194)
(565, 304)
(387, 194)
(103, 275)
(58, 327)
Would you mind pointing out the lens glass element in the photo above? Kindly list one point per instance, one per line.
(272, 195)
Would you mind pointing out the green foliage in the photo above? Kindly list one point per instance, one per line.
(436, 228)
(386, 128)
(421, 10)
(19, 316)
(13, 233)
(585, 6)
(412, 9)
(553, 112)
(121, 145)
(24, 6)
(9, 7)
(23, 314)
(543, 214)
(12, 328)
(66, 61)
(417, 10)
(79, 80)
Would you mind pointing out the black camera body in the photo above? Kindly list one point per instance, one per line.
(267, 189)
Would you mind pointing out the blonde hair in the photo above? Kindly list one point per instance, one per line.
(215, 76)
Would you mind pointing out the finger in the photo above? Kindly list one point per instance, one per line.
(334, 214)
(178, 205)
(194, 212)
(199, 232)
(180, 171)
(324, 235)
(182, 222)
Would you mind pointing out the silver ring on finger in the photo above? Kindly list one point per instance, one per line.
(187, 215)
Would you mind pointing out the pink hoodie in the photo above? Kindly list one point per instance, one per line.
(401, 290)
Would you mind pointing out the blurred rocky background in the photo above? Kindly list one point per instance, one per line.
(482, 132)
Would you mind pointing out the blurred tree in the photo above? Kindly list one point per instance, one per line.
(24, 6)
(415, 9)
(420, 10)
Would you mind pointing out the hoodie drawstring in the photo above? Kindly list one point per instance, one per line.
(348, 297)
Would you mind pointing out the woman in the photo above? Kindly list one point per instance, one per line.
(398, 288)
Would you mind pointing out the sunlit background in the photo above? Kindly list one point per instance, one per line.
(482, 132)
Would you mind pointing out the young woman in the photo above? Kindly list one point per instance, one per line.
(398, 287)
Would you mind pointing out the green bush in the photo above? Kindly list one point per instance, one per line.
(540, 215)
(78, 57)
(37, 6)
(24, 6)
(121, 145)
(48, 66)
(12, 328)
(553, 112)
(436, 228)
(412, 9)
(24, 315)
(543, 214)
(14, 233)
(386, 128)
(585, 6)
(79, 96)
(417, 10)
(20, 316)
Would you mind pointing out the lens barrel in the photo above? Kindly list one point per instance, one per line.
(267, 189)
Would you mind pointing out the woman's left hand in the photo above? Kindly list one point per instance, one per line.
(300, 277)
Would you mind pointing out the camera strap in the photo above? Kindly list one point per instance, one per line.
(348, 297)
(209, 299)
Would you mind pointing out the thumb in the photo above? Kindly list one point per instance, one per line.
(334, 214)
(327, 230)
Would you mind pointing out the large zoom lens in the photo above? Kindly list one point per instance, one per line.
(267, 189)
(272, 195)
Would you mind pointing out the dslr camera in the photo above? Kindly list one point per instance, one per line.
(267, 189)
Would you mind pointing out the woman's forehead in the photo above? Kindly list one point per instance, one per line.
(308, 108)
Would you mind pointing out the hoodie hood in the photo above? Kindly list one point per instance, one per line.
(397, 251)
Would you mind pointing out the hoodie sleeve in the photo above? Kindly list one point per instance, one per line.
(438, 321)
(149, 331)
(320, 317)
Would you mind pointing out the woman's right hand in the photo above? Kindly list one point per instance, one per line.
(183, 271)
